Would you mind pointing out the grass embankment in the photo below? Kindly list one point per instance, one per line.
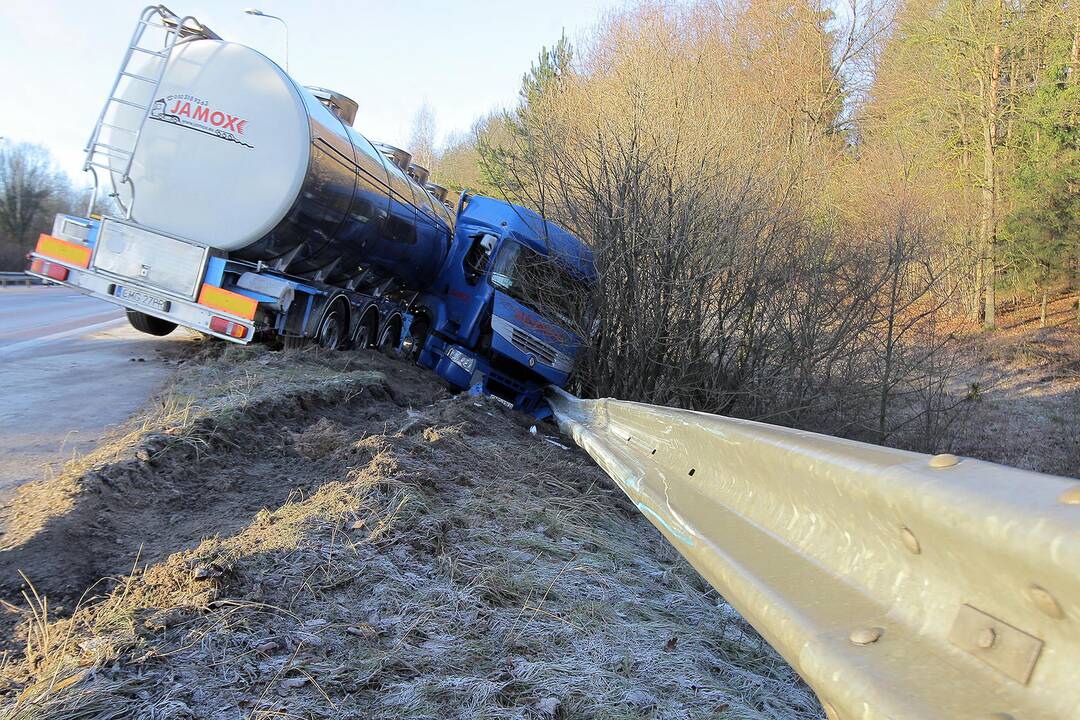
(331, 536)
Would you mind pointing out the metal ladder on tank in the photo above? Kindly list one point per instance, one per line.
(101, 155)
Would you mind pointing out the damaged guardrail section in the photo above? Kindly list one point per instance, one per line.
(899, 585)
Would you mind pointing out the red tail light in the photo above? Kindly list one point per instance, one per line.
(48, 269)
(228, 327)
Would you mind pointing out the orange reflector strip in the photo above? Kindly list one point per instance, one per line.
(63, 250)
(230, 302)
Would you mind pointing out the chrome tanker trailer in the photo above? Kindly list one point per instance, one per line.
(247, 205)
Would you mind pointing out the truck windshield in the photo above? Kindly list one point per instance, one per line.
(542, 284)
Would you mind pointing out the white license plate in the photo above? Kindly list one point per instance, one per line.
(142, 298)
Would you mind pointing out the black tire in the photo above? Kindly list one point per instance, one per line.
(418, 333)
(333, 328)
(365, 333)
(149, 324)
(390, 338)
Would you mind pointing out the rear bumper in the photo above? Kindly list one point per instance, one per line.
(181, 311)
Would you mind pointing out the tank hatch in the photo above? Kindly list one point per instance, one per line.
(343, 107)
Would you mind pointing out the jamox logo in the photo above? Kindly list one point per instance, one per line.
(203, 114)
(197, 114)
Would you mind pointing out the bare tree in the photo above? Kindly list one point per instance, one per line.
(689, 147)
(422, 136)
(32, 190)
(457, 165)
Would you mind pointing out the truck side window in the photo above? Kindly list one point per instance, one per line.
(476, 258)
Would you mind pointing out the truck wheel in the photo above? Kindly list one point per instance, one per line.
(418, 333)
(365, 335)
(390, 338)
(149, 324)
(333, 329)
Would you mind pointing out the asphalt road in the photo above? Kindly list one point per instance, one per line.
(67, 376)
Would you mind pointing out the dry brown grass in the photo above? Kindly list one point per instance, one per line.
(429, 558)
(1024, 385)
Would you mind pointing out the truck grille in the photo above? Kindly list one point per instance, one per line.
(526, 343)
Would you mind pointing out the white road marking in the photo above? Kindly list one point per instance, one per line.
(35, 342)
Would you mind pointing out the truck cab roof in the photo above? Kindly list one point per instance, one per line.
(533, 231)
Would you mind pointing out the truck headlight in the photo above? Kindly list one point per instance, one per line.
(463, 360)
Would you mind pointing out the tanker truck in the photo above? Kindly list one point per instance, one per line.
(249, 208)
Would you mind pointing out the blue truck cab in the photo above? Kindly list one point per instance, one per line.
(503, 309)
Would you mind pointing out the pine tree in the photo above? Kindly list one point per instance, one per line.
(1043, 229)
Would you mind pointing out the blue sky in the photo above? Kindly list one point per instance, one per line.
(464, 57)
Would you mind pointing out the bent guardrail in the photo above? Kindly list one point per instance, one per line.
(899, 585)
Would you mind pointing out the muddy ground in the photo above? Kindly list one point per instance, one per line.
(334, 536)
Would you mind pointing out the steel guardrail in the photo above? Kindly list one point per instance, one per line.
(17, 278)
(898, 585)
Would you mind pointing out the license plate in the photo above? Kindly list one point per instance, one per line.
(142, 298)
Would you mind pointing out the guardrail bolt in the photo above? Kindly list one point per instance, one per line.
(986, 639)
(910, 541)
(1070, 496)
(944, 460)
(1045, 602)
(866, 636)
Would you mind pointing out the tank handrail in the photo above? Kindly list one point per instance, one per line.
(94, 146)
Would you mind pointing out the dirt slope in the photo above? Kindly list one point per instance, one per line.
(334, 537)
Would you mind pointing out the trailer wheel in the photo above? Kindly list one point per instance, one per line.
(333, 329)
(366, 331)
(149, 324)
(363, 337)
(390, 338)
